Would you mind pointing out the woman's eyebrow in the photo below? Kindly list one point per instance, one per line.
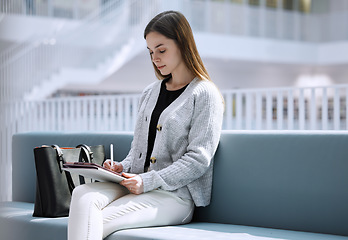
(156, 46)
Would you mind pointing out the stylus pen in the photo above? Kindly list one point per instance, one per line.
(112, 154)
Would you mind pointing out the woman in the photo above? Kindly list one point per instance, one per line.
(169, 167)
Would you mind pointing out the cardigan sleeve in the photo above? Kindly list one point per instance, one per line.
(203, 138)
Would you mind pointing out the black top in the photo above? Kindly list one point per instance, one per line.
(165, 98)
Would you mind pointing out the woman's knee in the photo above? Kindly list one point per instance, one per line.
(83, 194)
(81, 190)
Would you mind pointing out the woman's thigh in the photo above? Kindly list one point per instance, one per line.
(155, 208)
(100, 194)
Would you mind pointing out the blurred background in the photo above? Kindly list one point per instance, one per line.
(80, 65)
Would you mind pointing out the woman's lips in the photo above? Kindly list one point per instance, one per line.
(160, 67)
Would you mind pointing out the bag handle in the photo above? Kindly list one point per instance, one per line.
(61, 161)
(60, 158)
(87, 152)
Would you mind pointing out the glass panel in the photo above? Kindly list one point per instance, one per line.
(305, 6)
(288, 4)
(237, 1)
(254, 2)
(271, 3)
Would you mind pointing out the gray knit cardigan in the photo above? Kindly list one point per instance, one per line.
(188, 134)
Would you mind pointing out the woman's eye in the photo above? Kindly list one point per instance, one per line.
(162, 51)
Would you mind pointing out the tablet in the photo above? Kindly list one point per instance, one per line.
(94, 171)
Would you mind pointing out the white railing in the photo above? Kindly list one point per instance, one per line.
(91, 113)
(314, 108)
(320, 108)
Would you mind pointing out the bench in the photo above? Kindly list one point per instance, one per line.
(267, 185)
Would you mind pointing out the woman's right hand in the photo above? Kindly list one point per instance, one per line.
(116, 167)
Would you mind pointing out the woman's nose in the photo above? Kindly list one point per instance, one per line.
(155, 57)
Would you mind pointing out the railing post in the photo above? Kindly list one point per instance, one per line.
(120, 114)
(290, 115)
(280, 110)
(40, 116)
(85, 116)
(336, 109)
(106, 118)
(248, 110)
(313, 110)
(324, 111)
(239, 110)
(269, 110)
(258, 110)
(346, 98)
(113, 113)
(98, 114)
(301, 109)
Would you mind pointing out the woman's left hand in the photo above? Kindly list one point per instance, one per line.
(133, 183)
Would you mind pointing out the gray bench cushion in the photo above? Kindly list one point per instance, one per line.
(209, 231)
(16, 222)
(17, 215)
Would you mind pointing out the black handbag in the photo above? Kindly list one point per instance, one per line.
(54, 185)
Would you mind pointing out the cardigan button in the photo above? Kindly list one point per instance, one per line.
(153, 160)
(159, 127)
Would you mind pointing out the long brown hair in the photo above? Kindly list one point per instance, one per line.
(174, 25)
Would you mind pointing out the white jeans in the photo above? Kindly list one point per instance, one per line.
(99, 209)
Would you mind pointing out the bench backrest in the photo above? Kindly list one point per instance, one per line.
(288, 179)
